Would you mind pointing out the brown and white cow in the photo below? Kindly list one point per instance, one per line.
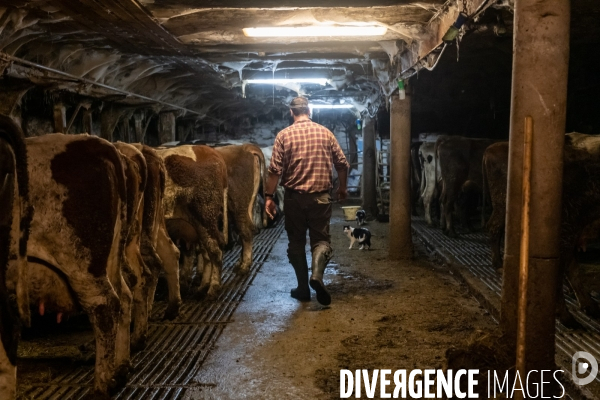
(137, 275)
(158, 251)
(580, 214)
(195, 205)
(78, 189)
(15, 217)
(459, 160)
(245, 173)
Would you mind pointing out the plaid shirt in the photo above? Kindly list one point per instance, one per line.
(304, 154)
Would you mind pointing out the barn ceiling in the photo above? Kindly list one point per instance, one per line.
(193, 54)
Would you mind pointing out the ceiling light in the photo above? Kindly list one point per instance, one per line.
(330, 106)
(304, 31)
(318, 81)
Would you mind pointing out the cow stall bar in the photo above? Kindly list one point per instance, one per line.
(401, 246)
(539, 91)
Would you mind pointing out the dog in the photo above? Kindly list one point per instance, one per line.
(361, 215)
(361, 234)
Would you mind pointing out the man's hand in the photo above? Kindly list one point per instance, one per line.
(270, 208)
(342, 191)
(342, 194)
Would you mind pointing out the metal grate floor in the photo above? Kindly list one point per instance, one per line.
(176, 349)
(472, 252)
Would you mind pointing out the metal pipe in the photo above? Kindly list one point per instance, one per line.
(8, 57)
(438, 59)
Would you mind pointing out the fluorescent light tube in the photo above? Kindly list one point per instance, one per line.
(318, 81)
(304, 31)
(330, 106)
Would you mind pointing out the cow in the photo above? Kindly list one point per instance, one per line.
(195, 206)
(78, 188)
(580, 213)
(15, 217)
(137, 275)
(158, 251)
(459, 160)
(494, 179)
(245, 173)
(428, 177)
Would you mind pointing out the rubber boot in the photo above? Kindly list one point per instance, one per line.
(320, 257)
(302, 292)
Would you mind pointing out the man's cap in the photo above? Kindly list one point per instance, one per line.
(299, 102)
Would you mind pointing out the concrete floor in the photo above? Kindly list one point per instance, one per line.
(383, 315)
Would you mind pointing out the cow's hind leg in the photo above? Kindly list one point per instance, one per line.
(244, 226)
(123, 348)
(495, 228)
(213, 262)
(206, 273)
(140, 312)
(427, 206)
(169, 254)
(104, 308)
(449, 223)
(154, 263)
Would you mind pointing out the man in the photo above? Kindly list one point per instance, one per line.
(303, 157)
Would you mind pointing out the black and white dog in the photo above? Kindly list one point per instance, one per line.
(361, 216)
(361, 234)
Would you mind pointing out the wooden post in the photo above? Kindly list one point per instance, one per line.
(539, 90)
(60, 118)
(401, 246)
(138, 125)
(108, 121)
(125, 131)
(87, 121)
(369, 188)
(166, 127)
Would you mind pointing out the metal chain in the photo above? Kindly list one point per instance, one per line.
(464, 4)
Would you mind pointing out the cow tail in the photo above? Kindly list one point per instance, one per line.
(263, 175)
(262, 178)
(225, 211)
(423, 178)
(436, 160)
